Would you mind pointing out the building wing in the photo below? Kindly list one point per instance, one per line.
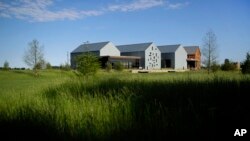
(90, 47)
(168, 48)
(134, 47)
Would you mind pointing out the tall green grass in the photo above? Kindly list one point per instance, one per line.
(124, 106)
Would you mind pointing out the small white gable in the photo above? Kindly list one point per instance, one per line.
(109, 50)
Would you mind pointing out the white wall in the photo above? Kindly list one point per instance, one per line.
(152, 57)
(109, 50)
(180, 58)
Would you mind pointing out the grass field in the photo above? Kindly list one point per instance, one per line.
(57, 105)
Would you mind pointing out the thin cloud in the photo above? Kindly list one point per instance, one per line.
(174, 6)
(38, 11)
(136, 5)
(4, 15)
(41, 10)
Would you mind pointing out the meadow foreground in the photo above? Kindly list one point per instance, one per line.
(57, 105)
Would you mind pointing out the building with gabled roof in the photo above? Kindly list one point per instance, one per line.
(142, 55)
(99, 49)
(193, 57)
(107, 52)
(173, 56)
(148, 52)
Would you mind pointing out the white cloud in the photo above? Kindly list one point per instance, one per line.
(4, 15)
(136, 5)
(38, 11)
(41, 10)
(177, 5)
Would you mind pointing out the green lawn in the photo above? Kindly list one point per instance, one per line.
(25, 82)
(58, 105)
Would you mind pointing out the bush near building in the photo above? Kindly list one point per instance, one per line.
(246, 65)
(108, 67)
(118, 66)
(88, 64)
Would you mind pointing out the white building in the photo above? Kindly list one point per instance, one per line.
(173, 56)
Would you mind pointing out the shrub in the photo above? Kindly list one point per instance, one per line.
(215, 67)
(228, 65)
(108, 66)
(6, 65)
(48, 65)
(87, 64)
(40, 65)
(118, 66)
(246, 65)
(65, 67)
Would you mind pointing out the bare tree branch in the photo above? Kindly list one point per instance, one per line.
(34, 54)
(209, 50)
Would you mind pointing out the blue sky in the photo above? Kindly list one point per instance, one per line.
(62, 25)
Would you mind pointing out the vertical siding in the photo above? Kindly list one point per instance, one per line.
(198, 57)
(152, 58)
(180, 58)
(109, 50)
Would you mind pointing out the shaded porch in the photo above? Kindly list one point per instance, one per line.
(129, 62)
(193, 64)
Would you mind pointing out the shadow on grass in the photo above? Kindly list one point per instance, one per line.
(160, 110)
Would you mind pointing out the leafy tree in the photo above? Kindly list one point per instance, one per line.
(118, 66)
(209, 50)
(6, 65)
(246, 65)
(227, 66)
(87, 64)
(34, 56)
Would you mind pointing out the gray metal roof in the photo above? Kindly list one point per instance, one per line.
(90, 47)
(191, 49)
(134, 47)
(168, 48)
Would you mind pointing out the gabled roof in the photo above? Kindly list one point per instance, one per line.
(90, 47)
(168, 48)
(134, 47)
(191, 49)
